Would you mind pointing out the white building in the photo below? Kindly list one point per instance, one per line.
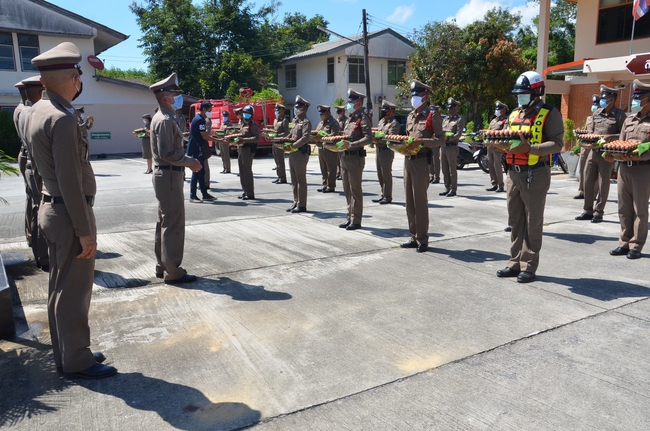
(324, 73)
(30, 27)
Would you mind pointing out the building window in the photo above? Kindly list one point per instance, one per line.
(290, 80)
(357, 71)
(330, 70)
(396, 69)
(28, 45)
(615, 22)
(7, 52)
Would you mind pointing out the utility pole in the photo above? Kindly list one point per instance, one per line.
(366, 65)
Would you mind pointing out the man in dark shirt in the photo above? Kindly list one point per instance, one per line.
(199, 138)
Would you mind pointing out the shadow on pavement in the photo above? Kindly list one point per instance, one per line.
(328, 215)
(603, 290)
(236, 290)
(471, 255)
(581, 238)
(108, 255)
(113, 281)
(388, 232)
(181, 406)
(487, 198)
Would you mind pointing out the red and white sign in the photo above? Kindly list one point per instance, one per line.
(640, 65)
(95, 62)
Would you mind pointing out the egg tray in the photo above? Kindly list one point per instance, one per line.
(619, 147)
(395, 138)
(282, 139)
(335, 139)
(505, 135)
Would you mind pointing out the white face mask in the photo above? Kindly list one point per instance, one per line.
(416, 102)
(497, 113)
(636, 106)
(144, 121)
(349, 108)
(523, 100)
(83, 116)
(593, 108)
(298, 111)
(208, 114)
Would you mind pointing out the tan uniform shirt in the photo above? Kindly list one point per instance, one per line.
(330, 126)
(361, 134)
(61, 156)
(167, 140)
(637, 128)
(606, 124)
(251, 132)
(301, 131)
(281, 127)
(416, 127)
(17, 112)
(84, 126)
(552, 133)
(456, 125)
(498, 123)
(342, 122)
(389, 127)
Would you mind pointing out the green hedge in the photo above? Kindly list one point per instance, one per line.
(9, 141)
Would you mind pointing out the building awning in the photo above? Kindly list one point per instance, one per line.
(571, 68)
(612, 68)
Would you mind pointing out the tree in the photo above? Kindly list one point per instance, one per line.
(114, 72)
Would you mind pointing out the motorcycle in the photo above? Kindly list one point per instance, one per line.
(467, 151)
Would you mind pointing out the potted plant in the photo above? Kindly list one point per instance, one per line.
(571, 155)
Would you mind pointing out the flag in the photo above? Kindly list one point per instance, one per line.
(640, 8)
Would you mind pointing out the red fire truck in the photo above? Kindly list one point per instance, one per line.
(263, 115)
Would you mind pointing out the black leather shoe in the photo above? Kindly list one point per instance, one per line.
(160, 274)
(353, 226)
(619, 251)
(95, 371)
(585, 216)
(344, 225)
(385, 201)
(328, 190)
(241, 196)
(525, 277)
(443, 193)
(634, 254)
(275, 169)
(579, 197)
(248, 198)
(508, 229)
(492, 189)
(322, 189)
(291, 208)
(597, 219)
(276, 181)
(422, 248)
(187, 278)
(435, 181)
(410, 244)
(378, 200)
(299, 210)
(501, 190)
(507, 272)
(338, 177)
(282, 182)
(451, 194)
(99, 357)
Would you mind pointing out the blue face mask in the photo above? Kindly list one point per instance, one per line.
(247, 116)
(178, 102)
(349, 107)
(603, 103)
(636, 106)
(593, 108)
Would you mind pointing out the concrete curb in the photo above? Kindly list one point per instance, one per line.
(7, 327)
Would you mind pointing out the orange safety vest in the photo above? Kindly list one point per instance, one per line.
(535, 125)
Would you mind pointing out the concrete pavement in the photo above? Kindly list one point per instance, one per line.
(296, 324)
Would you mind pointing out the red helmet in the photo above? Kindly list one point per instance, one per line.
(530, 82)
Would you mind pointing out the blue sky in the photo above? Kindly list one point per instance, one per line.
(344, 17)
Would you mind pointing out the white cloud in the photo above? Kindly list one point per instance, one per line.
(401, 14)
(475, 11)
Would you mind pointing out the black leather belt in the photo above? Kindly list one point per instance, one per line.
(451, 144)
(643, 163)
(382, 148)
(170, 167)
(59, 200)
(417, 156)
(519, 168)
(361, 153)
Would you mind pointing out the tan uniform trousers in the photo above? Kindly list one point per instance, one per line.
(495, 167)
(38, 243)
(70, 289)
(298, 170)
(352, 173)
(170, 228)
(280, 169)
(22, 163)
(584, 154)
(633, 196)
(598, 174)
(329, 161)
(526, 216)
(384, 161)
(225, 155)
(245, 162)
(435, 164)
(449, 157)
(416, 184)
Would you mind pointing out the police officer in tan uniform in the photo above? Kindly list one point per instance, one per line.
(170, 162)
(247, 145)
(606, 120)
(342, 120)
(22, 160)
(328, 160)
(453, 126)
(281, 127)
(66, 215)
(301, 133)
(434, 166)
(424, 124)
(529, 174)
(33, 89)
(390, 126)
(224, 146)
(85, 123)
(353, 159)
(495, 167)
(634, 178)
